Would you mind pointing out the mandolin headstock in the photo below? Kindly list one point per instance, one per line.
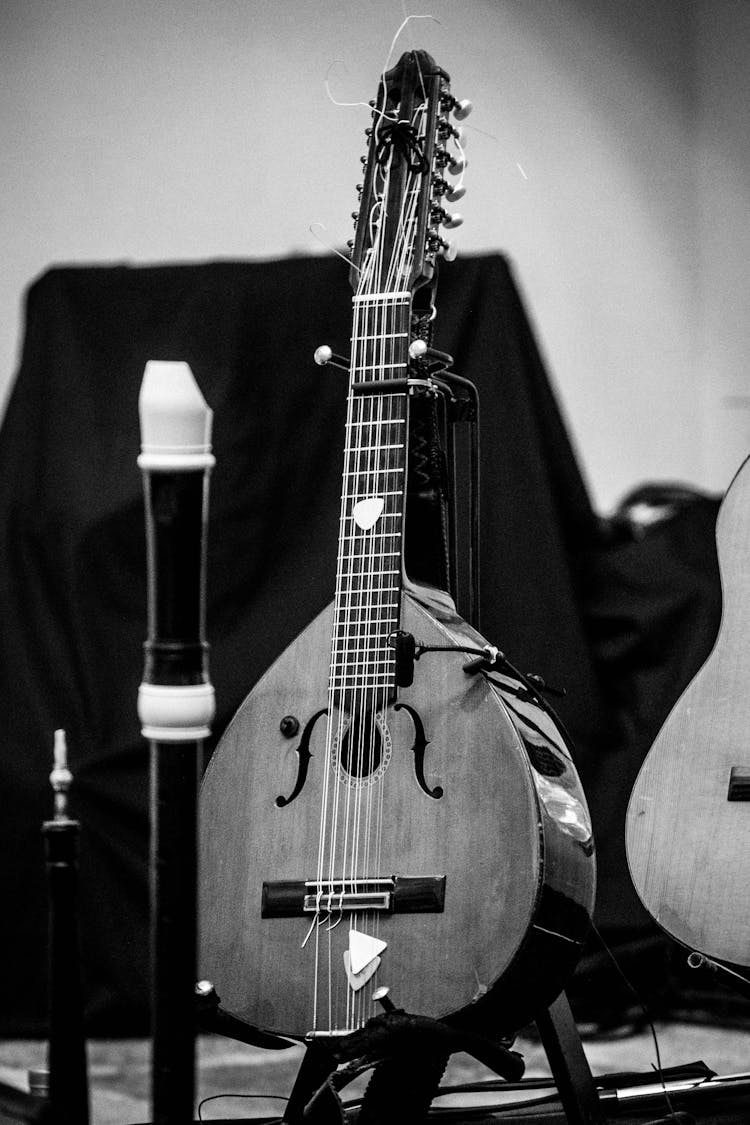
(412, 147)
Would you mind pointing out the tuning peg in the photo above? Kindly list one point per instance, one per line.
(419, 349)
(446, 131)
(462, 109)
(457, 164)
(440, 216)
(324, 356)
(448, 250)
(453, 194)
(445, 248)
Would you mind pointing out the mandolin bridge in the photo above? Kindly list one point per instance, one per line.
(399, 894)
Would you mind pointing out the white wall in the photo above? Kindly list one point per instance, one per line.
(723, 265)
(608, 159)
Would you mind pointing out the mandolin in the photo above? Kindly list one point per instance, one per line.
(392, 805)
(687, 829)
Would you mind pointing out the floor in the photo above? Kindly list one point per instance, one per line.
(245, 1082)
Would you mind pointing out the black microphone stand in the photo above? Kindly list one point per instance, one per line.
(176, 707)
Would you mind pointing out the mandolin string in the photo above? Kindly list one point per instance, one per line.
(386, 465)
(359, 628)
(376, 487)
(365, 601)
(361, 612)
(337, 667)
(373, 564)
(382, 440)
(372, 489)
(337, 689)
(385, 342)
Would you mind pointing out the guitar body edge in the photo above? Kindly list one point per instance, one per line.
(687, 842)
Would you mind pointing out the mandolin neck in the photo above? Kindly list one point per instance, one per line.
(371, 530)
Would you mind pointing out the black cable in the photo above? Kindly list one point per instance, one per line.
(647, 1016)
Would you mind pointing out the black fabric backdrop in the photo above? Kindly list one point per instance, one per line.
(584, 608)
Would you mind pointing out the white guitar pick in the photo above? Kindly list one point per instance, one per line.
(366, 513)
(359, 980)
(363, 949)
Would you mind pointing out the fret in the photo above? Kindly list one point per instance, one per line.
(357, 629)
(376, 422)
(375, 472)
(360, 664)
(383, 515)
(360, 640)
(378, 464)
(366, 536)
(368, 496)
(373, 574)
(363, 680)
(357, 659)
(371, 589)
(381, 336)
(365, 636)
(376, 448)
(401, 296)
(360, 367)
(371, 556)
(364, 609)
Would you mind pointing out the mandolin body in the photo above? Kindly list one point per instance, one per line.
(688, 820)
(508, 841)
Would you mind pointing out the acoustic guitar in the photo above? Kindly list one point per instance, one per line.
(687, 829)
(370, 818)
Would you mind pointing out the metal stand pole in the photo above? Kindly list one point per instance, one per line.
(175, 706)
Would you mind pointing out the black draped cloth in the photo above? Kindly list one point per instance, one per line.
(557, 595)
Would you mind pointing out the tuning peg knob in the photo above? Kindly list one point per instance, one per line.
(323, 355)
(462, 109)
(449, 251)
(457, 164)
(453, 194)
(453, 221)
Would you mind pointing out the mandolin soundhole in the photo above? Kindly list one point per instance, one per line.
(363, 750)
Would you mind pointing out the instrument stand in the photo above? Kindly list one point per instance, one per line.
(314, 1099)
(315, 1070)
(407, 1055)
(568, 1063)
